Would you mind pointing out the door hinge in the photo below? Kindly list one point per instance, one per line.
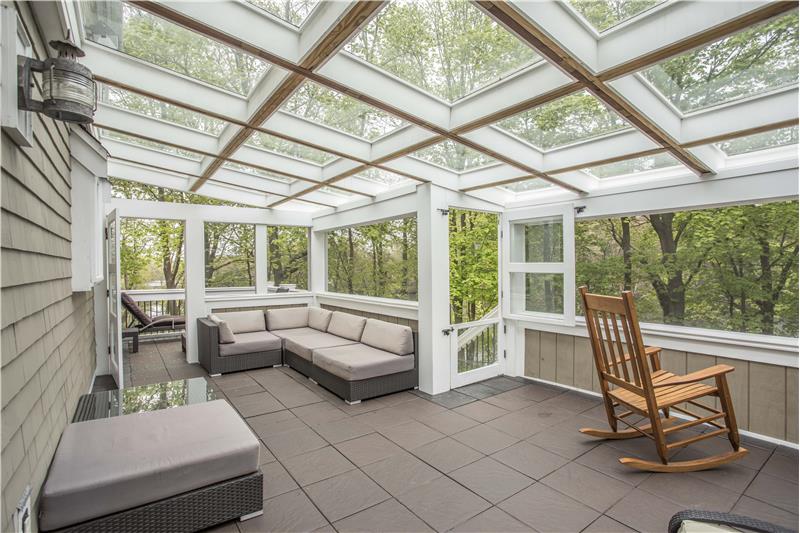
(108, 293)
(505, 329)
(105, 232)
(504, 354)
(109, 350)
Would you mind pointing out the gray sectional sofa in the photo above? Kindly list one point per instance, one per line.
(243, 342)
(354, 357)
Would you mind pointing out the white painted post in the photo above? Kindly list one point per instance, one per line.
(317, 262)
(195, 283)
(434, 291)
(261, 259)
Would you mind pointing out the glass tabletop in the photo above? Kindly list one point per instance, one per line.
(143, 398)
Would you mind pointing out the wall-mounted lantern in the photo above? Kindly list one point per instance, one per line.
(69, 92)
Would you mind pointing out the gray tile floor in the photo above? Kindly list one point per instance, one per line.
(501, 455)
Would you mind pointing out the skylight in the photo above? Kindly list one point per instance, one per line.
(760, 141)
(633, 166)
(606, 14)
(319, 104)
(760, 59)
(294, 12)
(133, 31)
(383, 177)
(526, 186)
(118, 136)
(447, 48)
(157, 109)
(257, 172)
(292, 149)
(570, 119)
(453, 155)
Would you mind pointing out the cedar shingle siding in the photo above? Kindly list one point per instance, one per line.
(48, 348)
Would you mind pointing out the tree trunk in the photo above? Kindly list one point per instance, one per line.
(672, 292)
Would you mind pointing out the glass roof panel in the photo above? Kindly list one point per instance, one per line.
(276, 144)
(633, 166)
(256, 172)
(567, 120)
(382, 177)
(133, 31)
(605, 14)
(447, 48)
(760, 59)
(759, 141)
(294, 12)
(335, 110)
(337, 192)
(157, 109)
(454, 156)
(526, 186)
(118, 136)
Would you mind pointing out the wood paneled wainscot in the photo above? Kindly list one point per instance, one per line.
(764, 396)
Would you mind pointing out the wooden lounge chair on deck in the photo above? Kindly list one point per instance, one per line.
(631, 377)
(146, 323)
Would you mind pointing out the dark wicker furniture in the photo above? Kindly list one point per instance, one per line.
(191, 511)
(148, 324)
(735, 521)
(214, 363)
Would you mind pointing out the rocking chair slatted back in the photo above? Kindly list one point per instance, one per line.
(619, 352)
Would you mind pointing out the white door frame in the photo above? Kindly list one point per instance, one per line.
(115, 357)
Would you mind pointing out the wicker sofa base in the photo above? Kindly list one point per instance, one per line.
(191, 511)
(296, 362)
(248, 361)
(365, 389)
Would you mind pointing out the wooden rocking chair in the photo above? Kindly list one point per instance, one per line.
(631, 377)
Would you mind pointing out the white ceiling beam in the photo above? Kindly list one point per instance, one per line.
(283, 164)
(490, 174)
(359, 75)
(410, 166)
(613, 146)
(251, 181)
(129, 73)
(362, 185)
(639, 94)
(402, 140)
(155, 158)
(764, 110)
(334, 169)
(507, 145)
(149, 176)
(293, 126)
(324, 17)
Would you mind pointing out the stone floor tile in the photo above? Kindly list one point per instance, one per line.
(480, 411)
(256, 404)
(502, 383)
(345, 494)
(478, 391)
(337, 431)
(782, 466)
(747, 506)
(295, 442)
(274, 423)
(448, 422)
(384, 418)
(774, 491)
(443, 503)
(368, 449)
(509, 401)
(290, 512)
(531, 460)
(387, 517)
(400, 473)
(605, 459)
(756, 456)
(643, 511)
(567, 444)
(605, 524)
(317, 465)
(537, 392)
(449, 399)
(731, 476)
(277, 480)
(492, 520)
(491, 480)
(318, 413)
(447, 454)
(588, 486)
(485, 439)
(574, 402)
(186, 372)
(545, 509)
(411, 435)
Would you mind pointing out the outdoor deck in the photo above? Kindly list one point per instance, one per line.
(475, 459)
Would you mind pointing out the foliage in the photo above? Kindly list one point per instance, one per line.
(287, 255)
(730, 268)
(605, 14)
(759, 141)
(375, 260)
(230, 254)
(473, 264)
(292, 11)
(448, 48)
(454, 156)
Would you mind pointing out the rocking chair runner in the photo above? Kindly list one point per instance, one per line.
(631, 377)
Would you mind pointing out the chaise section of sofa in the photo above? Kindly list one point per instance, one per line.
(252, 347)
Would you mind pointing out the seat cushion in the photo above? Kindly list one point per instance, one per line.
(303, 345)
(359, 361)
(389, 337)
(293, 332)
(347, 325)
(255, 341)
(113, 464)
(319, 318)
(224, 331)
(244, 321)
(288, 318)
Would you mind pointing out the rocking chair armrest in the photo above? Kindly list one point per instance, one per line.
(694, 377)
(650, 350)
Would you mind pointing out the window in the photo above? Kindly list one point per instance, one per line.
(151, 254)
(153, 145)
(375, 260)
(519, 187)
(605, 14)
(316, 103)
(294, 12)
(132, 190)
(568, 120)
(730, 268)
(282, 146)
(454, 156)
(287, 256)
(473, 264)
(633, 166)
(447, 48)
(759, 141)
(755, 61)
(230, 255)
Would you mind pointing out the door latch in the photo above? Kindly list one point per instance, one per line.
(447, 331)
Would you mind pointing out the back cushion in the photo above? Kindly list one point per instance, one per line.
(346, 325)
(225, 332)
(291, 317)
(319, 318)
(389, 337)
(244, 321)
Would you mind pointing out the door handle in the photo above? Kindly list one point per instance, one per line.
(447, 331)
